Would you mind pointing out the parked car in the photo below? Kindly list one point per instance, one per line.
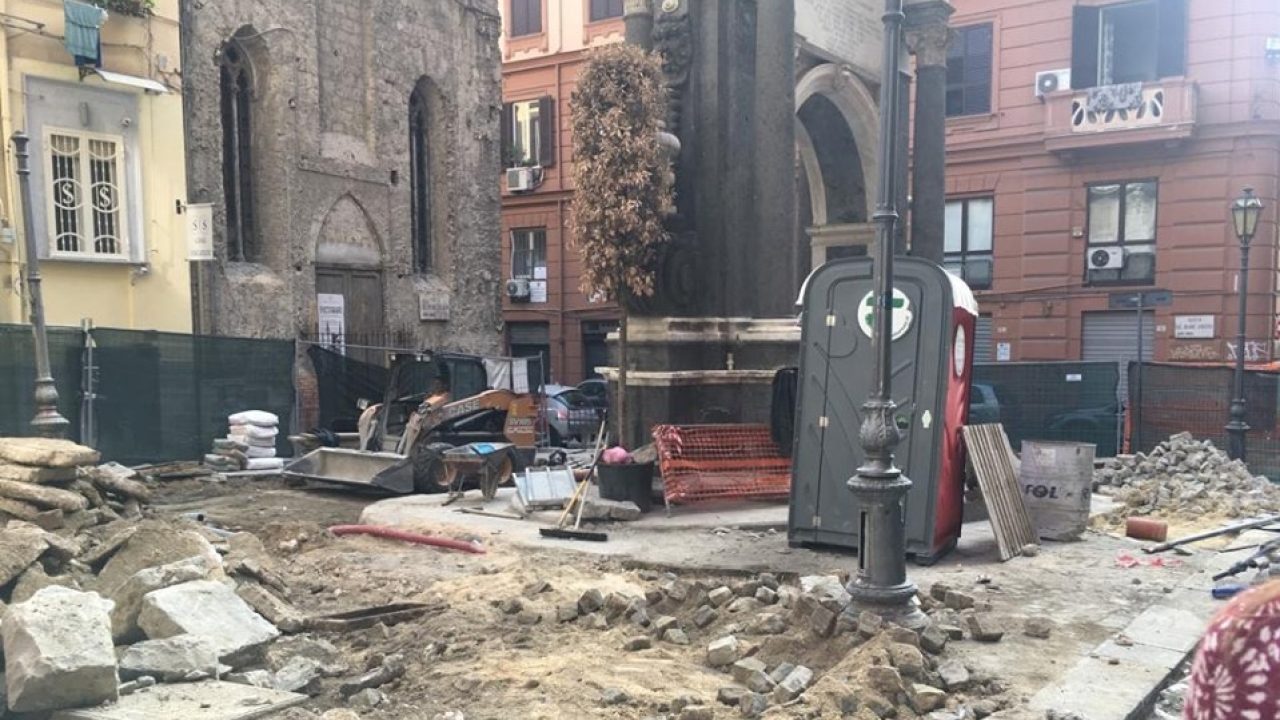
(984, 404)
(596, 391)
(570, 415)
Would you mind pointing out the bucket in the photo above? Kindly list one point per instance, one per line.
(632, 481)
(1057, 487)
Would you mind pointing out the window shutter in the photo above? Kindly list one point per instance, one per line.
(547, 131)
(507, 140)
(1084, 47)
(1172, 33)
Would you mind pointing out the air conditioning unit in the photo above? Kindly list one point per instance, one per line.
(520, 179)
(1106, 259)
(1052, 81)
(518, 288)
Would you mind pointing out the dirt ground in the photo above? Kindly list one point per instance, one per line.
(473, 656)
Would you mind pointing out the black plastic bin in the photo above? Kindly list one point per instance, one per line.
(632, 481)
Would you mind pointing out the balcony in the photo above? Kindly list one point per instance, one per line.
(1166, 113)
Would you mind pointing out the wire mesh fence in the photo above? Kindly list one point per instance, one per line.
(141, 396)
(1068, 401)
(702, 462)
(1177, 398)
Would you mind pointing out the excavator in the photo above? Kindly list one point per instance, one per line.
(441, 423)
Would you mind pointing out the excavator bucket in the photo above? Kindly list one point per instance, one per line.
(354, 469)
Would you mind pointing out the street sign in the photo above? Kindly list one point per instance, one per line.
(1132, 300)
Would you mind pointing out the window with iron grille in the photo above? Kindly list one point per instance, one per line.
(236, 91)
(529, 253)
(1122, 233)
(526, 17)
(968, 243)
(85, 193)
(605, 9)
(420, 179)
(969, 71)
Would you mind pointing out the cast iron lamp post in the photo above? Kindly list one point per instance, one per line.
(47, 421)
(880, 488)
(1244, 216)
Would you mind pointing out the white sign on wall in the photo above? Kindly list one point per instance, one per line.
(1193, 327)
(200, 232)
(849, 31)
(331, 321)
(1004, 351)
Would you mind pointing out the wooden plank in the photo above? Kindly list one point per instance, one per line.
(992, 456)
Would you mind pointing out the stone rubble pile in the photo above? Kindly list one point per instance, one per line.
(1188, 477)
(750, 630)
(54, 483)
(97, 605)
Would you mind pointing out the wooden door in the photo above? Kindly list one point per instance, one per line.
(364, 317)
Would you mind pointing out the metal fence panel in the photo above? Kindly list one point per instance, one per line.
(1074, 401)
(157, 396)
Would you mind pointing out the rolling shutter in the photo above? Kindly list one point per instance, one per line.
(1113, 337)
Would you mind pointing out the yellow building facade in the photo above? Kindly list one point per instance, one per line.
(108, 176)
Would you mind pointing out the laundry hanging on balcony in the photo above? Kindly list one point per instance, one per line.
(84, 32)
(1108, 98)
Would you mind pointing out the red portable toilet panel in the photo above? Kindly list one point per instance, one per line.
(950, 498)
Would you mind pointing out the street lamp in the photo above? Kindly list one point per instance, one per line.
(1244, 216)
(47, 421)
(879, 487)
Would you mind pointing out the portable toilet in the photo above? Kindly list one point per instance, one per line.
(932, 350)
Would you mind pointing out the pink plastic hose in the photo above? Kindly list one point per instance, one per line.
(406, 536)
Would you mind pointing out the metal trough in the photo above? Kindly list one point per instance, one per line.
(385, 471)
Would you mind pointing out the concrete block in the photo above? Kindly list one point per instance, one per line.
(208, 609)
(58, 651)
(171, 659)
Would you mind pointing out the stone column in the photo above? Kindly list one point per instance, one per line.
(927, 37)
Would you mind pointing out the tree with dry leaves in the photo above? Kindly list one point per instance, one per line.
(622, 182)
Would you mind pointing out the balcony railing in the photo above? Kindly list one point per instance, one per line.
(1166, 112)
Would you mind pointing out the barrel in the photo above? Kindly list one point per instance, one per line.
(1057, 487)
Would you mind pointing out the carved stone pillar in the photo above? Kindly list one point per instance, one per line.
(927, 38)
(638, 18)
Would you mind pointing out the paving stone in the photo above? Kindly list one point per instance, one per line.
(753, 705)
(796, 682)
(46, 452)
(256, 678)
(768, 580)
(957, 600)
(730, 695)
(781, 671)
(984, 628)
(675, 636)
(331, 661)
(277, 612)
(720, 596)
(637, 643)
(36, 579)
(128, 598)
(955, 676)
(510, 606)
(535, 588)
(171, 659)
(750, 672)
(768, 624)
(787, 595)
(208, 609)
(596, 621)
(704, 616)
(590, 601)
(933, 640)
(616, 605)
(907, 658)
(300, 675)
(938, 591)
(677, 590)
(869, 624)
(154, 543)
(745, 588)
(953, 632)
(567, 612)
(766, 596)
(367, 699)
(925, 698)
(885, 680)
(58, 651)
(697, 712)
(680, 702)
(664, 623)
(723, 652)
(822, 621)
(640, 618)
(743, 605)
(1038, 627)
(531, 617)
(904, 636)
(20, 546)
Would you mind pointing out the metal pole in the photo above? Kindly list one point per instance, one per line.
(879, 488)
(47, 422)
(1237, 427)
(1137, 394)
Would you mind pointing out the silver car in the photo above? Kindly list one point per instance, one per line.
(570, 415)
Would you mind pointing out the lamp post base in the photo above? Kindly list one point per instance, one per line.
(895, 604)
(1236, 430)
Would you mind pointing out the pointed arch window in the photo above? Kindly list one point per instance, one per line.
(420, 176)
(236, 92)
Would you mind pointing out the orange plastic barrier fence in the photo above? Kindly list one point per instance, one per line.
(702, 462)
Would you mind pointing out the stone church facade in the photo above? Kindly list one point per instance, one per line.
(349, 149)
